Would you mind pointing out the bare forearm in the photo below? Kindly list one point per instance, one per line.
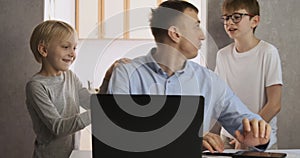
(273, 105)
(269, 111)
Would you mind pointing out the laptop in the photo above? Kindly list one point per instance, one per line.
(146, 126)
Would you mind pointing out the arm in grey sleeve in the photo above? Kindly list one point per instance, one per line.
(38, 101)
(84, 98)
(83, 93)
(119, 82)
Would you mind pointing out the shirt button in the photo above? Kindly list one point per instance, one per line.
(169, 81)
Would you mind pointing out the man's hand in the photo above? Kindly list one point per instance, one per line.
(237, 144)
(255, 133)
(213, 142)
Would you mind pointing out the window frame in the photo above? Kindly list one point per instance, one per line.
(101, 17)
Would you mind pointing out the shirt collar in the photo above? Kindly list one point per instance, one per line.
(150, 61)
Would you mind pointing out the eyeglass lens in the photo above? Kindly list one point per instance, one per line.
(236, 17)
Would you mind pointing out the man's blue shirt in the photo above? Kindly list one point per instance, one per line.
(144, 76)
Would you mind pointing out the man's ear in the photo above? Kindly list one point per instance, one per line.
(42, 49)
(174, 34)
(255, 21)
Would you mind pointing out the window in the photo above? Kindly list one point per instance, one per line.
(108, 19)
(117, 19)
(60, 10)
(121, 19)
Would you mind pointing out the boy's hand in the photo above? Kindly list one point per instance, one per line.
(213, 142)
(111, 68)
(104, 85)
(255, 133)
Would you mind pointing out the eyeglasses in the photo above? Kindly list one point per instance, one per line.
(235, 17)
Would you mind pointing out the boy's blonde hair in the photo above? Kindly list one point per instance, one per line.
(47, 31)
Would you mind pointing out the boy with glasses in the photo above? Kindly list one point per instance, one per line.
(250, 66)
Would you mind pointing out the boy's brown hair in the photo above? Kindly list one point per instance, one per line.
(251, 6)
(47, 31)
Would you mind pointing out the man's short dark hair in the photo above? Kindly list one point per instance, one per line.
(165, 15)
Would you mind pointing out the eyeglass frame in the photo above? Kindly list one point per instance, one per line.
(225, 20)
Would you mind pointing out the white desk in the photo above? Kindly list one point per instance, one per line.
(291, 153)
(81, 154)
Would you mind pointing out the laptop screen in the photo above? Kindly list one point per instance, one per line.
(146, 125)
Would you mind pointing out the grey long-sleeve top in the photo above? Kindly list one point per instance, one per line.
(53, 104)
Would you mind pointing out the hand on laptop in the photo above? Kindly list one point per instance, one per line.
(256, 132)
(237, 144)
(213, 142)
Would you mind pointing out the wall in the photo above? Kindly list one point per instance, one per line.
(17, 65)
(95, 56)
(215, 30)
(280, 25)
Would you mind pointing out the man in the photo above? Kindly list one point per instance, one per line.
(167, 71)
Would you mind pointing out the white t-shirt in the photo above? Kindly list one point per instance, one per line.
(249, 73)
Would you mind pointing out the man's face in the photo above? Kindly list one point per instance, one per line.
(191, 34)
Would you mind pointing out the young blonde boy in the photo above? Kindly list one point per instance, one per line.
(54, 94)
(250, 66)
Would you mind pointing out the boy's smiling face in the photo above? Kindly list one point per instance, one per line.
(243, 28)
(59, 55)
